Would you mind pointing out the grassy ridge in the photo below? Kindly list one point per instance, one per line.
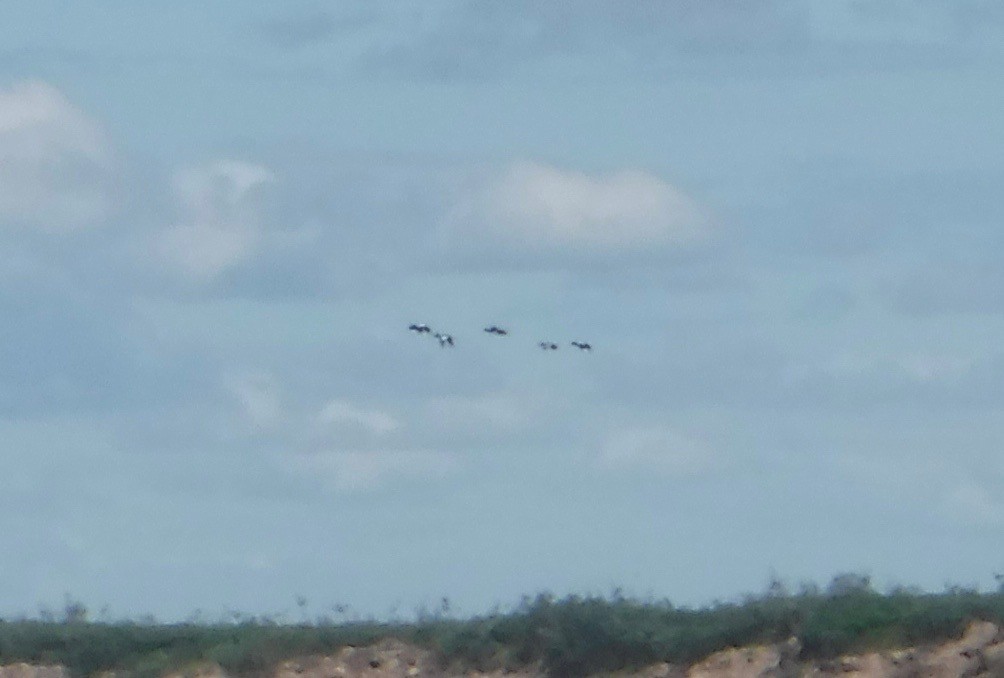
(572, 636)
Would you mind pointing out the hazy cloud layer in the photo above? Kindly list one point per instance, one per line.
(460, 39)
(776, 223)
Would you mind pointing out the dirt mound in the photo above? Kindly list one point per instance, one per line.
(388, 659)
(978, 654)
(758, 660)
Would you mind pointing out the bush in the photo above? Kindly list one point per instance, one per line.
(573, 636)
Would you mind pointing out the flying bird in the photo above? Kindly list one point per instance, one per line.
(582, 346)
(419, 329)
(444, 339)
(548, 346)
(495, 329)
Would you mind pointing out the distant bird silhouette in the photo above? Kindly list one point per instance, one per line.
(444, 339)
(419, 329)
(495, 329)
(548, 346)
(582, 346)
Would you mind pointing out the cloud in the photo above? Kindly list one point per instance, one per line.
(928, 367)
(481, 413)
(315, 225)
(462, 39)
(532, 209)
(468, 40)
(285, 443)
(56, 166)
(220, 227)
(657, 448)
(932, 380)
(868, 370)
(259, 400)
(342, 444)
(338, 413)
(971, 503)
(366, 470)
(956, 487)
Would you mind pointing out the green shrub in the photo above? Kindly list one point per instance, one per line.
(572, 636)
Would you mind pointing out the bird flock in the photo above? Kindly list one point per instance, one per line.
(447, 339)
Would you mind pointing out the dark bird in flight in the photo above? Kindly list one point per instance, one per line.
(444, 339)
(419, 329)
(495, 329)
(582, 346)
(548, 346)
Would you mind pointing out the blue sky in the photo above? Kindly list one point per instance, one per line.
(778, 224)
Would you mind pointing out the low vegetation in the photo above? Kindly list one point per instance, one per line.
(571, 636)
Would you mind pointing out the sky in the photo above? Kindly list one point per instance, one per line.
(777, 223)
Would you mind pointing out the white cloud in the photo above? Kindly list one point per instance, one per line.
(221, 224)
(971, 503)
(493, 411)
(362, 470)
(341, 412)
(533, 207)
(917, 367)
(55, 162)
(926, 367)
(336, 444)
(656, 448)
(259, 400)
(954, 487)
